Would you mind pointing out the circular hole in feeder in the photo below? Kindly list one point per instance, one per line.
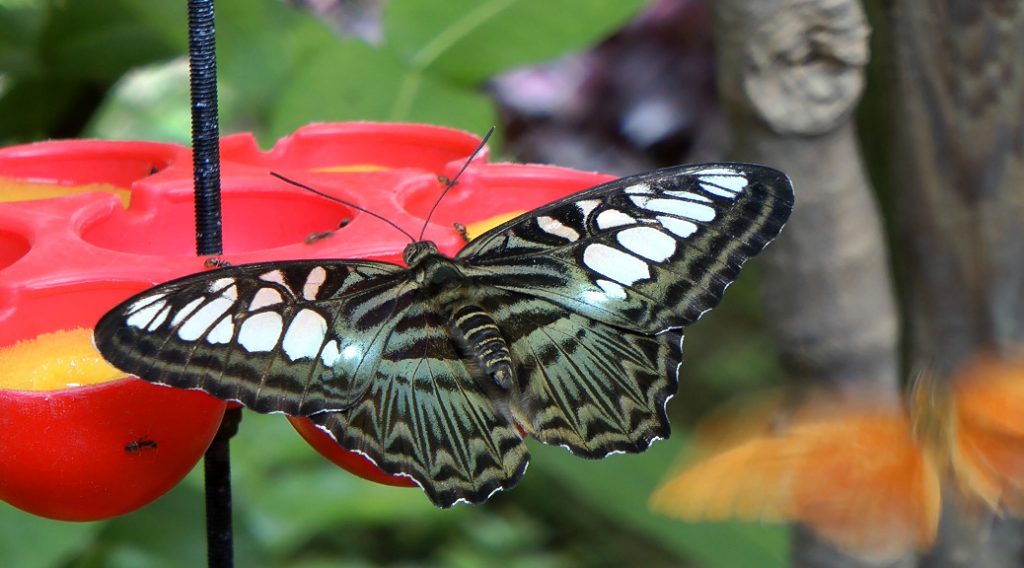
(498, 189)
(83, 162)
(42, 310)
(253, 219)
(12, 247)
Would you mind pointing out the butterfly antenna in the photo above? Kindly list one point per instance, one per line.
(343, 202)
(451, 183)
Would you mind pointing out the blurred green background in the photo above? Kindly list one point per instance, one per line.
(115, 69)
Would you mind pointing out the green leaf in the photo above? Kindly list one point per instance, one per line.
(33, 108)
(149, 103)
(168, 533)
(469, 41)
(99, 41)
(261, 44)
(289, 494)
(354, 81)
(28, 541)
(20, 24)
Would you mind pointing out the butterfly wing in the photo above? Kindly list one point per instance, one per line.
(427, 415)
(988, 447)
(643, 253)
(297, 337)
(589, 290)
(583, 384)
(858, 480)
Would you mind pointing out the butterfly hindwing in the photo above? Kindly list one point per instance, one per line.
(429, 415)
(646, 252)
(583, 384)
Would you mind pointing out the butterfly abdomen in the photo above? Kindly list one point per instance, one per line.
(480, 336)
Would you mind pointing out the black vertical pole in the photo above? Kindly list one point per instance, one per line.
(206, 180)
(205, 128)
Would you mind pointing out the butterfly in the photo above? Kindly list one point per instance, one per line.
(865, 475)
(564, 324)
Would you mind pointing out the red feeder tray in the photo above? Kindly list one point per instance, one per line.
(64, 261)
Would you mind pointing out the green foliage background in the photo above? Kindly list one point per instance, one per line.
(113, 69)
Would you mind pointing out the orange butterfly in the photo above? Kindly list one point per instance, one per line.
(868, 479)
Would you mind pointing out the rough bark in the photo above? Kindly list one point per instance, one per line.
(960, 179)
(791, 74)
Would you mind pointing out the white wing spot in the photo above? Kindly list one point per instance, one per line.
(681, 208)
(612, 290)
(352, 352)
(648, 242)
(587, 206)
(615, 264)
(557, 228)
(638, 188)
(314, 280)
(305, 335)
(678, 227)
(640, 200)
(688, 195)
(723, 182)
(275, 276)
(265, 297)
(225, 287)
(150, 316)
(141, 303)
(222, 332)
(186, 311)
(204, 318)
(260, 332)
(613, 218)
(734, 183)
(329, 355)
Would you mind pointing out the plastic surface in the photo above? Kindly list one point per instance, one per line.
(65, 261)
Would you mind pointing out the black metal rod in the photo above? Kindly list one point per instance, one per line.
(220, 547)
(206, 185)
(205, 127)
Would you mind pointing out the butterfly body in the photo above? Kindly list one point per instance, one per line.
(564, 323)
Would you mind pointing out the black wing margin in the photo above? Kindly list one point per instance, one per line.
(644, 253)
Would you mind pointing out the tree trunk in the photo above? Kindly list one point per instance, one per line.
(791, 74)
(960, 180)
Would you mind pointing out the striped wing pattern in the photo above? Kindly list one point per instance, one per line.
(584, 299)
(647, 253)
(585, 385)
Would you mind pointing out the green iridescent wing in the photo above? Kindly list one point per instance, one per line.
(431, 416)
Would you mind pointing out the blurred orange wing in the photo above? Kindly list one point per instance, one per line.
(859, 481)
(988, 452)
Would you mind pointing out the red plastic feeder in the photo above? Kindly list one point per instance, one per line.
(86, 453)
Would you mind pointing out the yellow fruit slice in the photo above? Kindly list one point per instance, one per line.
(54, 361)
(474, 230)
(13, 190)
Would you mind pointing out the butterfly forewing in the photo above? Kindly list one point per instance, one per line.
(647, 252)
(580, 301)
(296, 337)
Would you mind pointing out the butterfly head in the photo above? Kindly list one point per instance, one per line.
(416, 251)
